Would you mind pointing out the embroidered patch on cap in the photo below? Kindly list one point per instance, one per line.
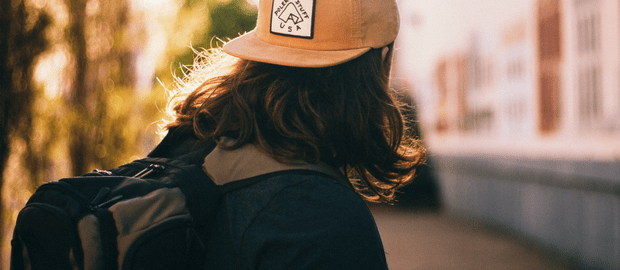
(293, 18)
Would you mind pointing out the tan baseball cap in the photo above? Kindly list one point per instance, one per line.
(316, 33)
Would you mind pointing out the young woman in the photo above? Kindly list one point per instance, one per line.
(294, 105)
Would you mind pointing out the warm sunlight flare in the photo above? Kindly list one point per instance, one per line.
(517, 102)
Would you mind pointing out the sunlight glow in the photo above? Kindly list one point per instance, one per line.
(151, 4)
(49, 71)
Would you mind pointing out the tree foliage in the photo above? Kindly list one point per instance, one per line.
(225, 20)
(102, 72)
(69, 101)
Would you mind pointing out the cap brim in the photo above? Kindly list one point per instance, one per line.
(250, 47)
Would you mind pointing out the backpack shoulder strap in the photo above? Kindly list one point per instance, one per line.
(225, 166)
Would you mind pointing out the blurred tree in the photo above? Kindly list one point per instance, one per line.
(79, 147)
(95, 118)
(231, 19)
(21, 42)
(89, 119)
(212, 21)
(103, 81)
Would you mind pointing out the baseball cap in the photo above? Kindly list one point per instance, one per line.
(316, 33)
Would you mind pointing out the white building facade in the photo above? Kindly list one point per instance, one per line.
(519, 104)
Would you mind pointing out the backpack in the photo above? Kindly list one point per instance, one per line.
(152, 213)
(143, 215)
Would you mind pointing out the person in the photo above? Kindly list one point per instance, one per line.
(309, 85)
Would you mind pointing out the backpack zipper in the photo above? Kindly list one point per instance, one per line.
(150, 169)
(102, 172)
(103, 192)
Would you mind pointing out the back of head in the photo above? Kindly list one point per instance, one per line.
(314, 95)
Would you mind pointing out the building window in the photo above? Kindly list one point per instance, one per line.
(589, 87)
(515, 69)
(589, 93)
(588, 29)
(482, 71)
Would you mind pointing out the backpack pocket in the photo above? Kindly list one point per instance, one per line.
(156, 231)
(173, 244)
(47, 239)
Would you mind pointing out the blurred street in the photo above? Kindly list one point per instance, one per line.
(430, 240)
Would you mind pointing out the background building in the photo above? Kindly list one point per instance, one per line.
(519, 105)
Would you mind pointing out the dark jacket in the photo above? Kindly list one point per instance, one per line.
(293, 219)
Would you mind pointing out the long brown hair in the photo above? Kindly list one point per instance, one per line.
(343, 115)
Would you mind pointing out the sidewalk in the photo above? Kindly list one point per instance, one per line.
(423, 240)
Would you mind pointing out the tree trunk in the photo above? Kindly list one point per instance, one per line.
(5, 90)
(79, 146)
(20, 44)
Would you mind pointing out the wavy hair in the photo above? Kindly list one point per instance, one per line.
(344, 115)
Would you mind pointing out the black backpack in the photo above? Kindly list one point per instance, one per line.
(147, 213)
(152, 213)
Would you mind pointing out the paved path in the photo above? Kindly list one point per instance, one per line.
(418, 240)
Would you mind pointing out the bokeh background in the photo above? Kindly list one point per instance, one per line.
(518, 102)
(519, 105)
(83, 82)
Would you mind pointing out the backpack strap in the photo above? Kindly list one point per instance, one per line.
(17, 253)
(181, 143)
(225, 166)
